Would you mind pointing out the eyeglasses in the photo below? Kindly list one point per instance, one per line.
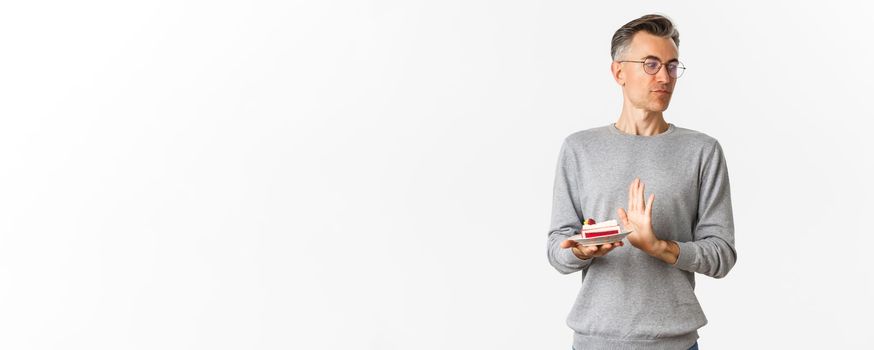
(652, 66)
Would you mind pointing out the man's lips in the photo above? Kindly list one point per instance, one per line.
(662, 91)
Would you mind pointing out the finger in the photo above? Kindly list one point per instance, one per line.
(649, 204)
(595, 250)
(569, 243)
(638, 205)
(642, 192)
(605, 248)
(639, 196)
(631, 195)
(623, 217)
(577, 251)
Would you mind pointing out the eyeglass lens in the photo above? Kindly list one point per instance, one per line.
(651, 66)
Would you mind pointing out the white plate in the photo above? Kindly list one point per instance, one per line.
(599, 240)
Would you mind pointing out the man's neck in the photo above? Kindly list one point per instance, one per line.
(643, 123)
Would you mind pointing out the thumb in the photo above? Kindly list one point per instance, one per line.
(567, 244)
(623, 217)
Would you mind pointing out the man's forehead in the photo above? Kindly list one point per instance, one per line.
(645, 45)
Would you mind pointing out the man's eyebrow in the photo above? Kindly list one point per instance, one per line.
(657, 57)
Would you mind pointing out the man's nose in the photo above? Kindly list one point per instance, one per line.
(662, 75)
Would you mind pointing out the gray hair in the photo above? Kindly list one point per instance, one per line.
(657, 25)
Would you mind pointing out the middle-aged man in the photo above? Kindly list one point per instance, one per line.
(642, 297)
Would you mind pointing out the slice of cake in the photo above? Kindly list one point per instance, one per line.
(591, 229)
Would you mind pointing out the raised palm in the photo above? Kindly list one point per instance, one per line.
(638, 217)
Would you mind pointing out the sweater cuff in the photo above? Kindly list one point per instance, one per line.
(568, 258)
(687, 259)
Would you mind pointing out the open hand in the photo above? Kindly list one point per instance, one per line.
(638, 218)
(590, 251)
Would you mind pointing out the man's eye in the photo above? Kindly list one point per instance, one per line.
(652, 65)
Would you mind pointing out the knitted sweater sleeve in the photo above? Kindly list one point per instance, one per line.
(566, 215)
(712, 250)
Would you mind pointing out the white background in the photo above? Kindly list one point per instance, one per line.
(378, 174)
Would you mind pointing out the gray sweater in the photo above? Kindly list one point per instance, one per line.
(628, 299)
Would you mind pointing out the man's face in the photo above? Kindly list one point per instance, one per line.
(646, 91)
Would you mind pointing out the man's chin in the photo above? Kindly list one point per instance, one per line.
(659, 107)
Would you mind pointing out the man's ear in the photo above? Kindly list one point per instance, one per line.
(618, 74)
